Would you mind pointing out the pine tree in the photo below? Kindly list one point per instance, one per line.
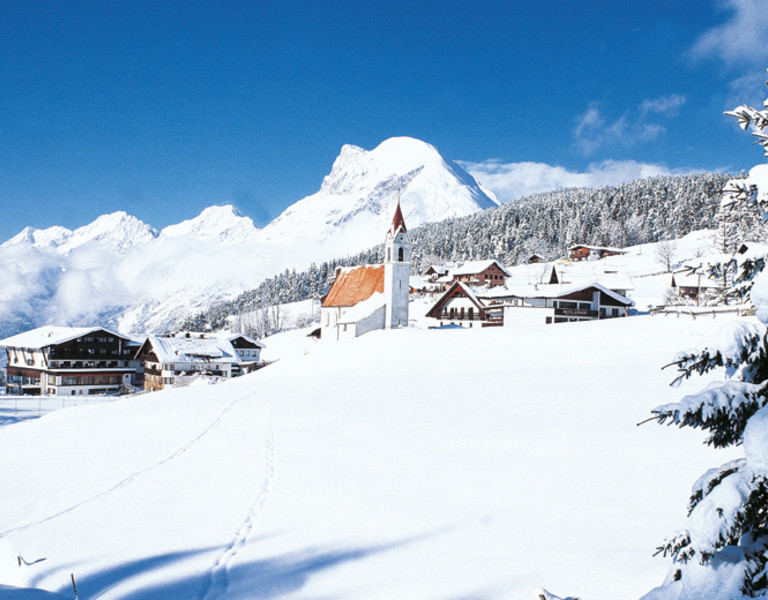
(722, 554)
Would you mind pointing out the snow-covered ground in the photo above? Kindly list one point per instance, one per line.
(409, 464)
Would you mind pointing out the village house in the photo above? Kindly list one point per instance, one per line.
(558, 303)
(166, 360)
(527, 304)
(434, 272)
(693, 285)
(69, 361)
(480, 272)
(460, 305)
(370, 297)
(582, 252)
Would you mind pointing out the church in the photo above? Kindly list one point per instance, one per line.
(370, 297)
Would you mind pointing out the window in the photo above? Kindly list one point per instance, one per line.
(389, 254)
(400, 254)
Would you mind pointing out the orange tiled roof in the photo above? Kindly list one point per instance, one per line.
(355, 285)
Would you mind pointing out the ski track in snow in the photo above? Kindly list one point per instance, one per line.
(218, 580)
(131, 478)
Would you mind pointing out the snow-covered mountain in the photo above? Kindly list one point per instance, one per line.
(118, 230)
(121, 272)
(357, 199)
(223, 224)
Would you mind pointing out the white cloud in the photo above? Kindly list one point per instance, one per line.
(743, 39)
(665, 105)
(510, 181)
(594, 131)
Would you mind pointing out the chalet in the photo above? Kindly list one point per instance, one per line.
(165, 360)
(527, 304)
(370, 297)
(558, 303)
(434, 272)
(691, 284)
(69, 361)
(460, 305)
(249, 352)
(480, 272)
(582, 252)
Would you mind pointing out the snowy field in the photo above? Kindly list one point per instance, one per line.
(14, 409)
(410, 464)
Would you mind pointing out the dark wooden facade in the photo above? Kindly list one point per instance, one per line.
(586, 252)
(492, 275)
(95, 363)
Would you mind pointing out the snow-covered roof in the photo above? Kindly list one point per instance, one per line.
(438, 269)
(688, 278)
(477, 266)
(614, 278)
(189, 350)
(247, 338)
(51, 335)
(469, 291)
(355, 284)
(605, 248)
(753, 249)
(552, 290)
(610, 275)
(417, 282)
(364, 309)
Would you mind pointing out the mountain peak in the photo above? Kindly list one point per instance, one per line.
(223, 222)
(118, 229)
(354, 206)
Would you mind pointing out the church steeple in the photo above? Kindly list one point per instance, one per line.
(397, 258)
(398, 222)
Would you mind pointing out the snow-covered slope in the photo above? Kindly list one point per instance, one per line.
(414, 464)
(357, 199)
(120, 272)
(223, 224)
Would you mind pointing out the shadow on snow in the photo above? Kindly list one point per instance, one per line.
(269, 578)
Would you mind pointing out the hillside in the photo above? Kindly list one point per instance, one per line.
(639, 212)
(342, 471)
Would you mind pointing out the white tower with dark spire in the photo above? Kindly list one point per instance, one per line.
(397, 265)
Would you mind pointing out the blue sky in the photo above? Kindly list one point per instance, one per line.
(163, 108)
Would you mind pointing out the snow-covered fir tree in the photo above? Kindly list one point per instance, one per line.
(722, 553)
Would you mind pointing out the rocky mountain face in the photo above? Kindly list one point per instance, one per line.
(356, 201)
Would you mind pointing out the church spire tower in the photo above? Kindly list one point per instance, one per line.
(397, 265)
